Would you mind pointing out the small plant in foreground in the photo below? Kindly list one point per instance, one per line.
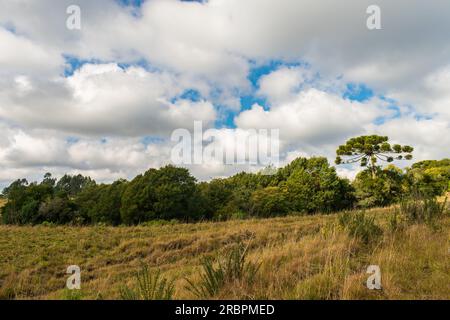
(149, 286)
(228, 268)
(359, 225)
(72, 294)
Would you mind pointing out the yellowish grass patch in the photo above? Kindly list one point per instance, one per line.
(301, 257)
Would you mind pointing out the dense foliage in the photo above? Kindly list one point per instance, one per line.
(305, 186)
(432, 177)
(391, 184)
(167, 193)
(385, 188)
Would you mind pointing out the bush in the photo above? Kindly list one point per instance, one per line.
(48, 224)
(214, 196)
(396, 221)
(360, 226)
(149, 286)
(383, 190)
(72, 294)
(226, 269)
(430, 177)
(166, 193)
(24, 200)
(422, 209)
(313, 186)
(72, 185)
(57, 210)
(101, 203)
(159, 222)
(241, 215)
(269, 202)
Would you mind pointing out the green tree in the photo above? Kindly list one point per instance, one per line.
(237, 191)
(87, 202)
(101, 203)
(430, 177)
(215, 195)
(49, 180)
(367, 150)
(72, 185)
(137, 200)
(268, 202)
(24, 200)
(107, 209)
(313, 186)
(386, 188)
(166, 193)
(59, 210)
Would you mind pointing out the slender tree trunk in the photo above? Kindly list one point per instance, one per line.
(372, 167)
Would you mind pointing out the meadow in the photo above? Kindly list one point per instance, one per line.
(296, 257)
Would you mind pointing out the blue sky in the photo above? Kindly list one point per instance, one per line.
(134, 3)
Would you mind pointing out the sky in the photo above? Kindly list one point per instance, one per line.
(104, 100)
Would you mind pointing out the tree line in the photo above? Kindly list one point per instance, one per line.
(305, 186)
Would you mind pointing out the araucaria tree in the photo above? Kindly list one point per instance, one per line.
(367, 150)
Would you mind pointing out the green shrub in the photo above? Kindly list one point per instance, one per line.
(239, 215)
(159, 222)
(228, 268)
(313, 186)
(212, 280)
(396, 221)
(48, 224)
(421, 208)
(268, 202)
(382, 190)
(166, 193)
(430, 177)
(149, 286)
(72, 294)
(360, 226)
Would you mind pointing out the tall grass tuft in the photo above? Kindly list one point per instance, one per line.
(396, 221)
(360, 226)
(228, 268)
(149, 286)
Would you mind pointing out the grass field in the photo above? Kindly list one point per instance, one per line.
(300, 257)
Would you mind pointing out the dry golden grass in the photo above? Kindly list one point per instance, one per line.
(308, 257)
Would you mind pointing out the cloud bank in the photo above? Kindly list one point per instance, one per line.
(104, 100)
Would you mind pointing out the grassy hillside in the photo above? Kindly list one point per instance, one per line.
(310, 257)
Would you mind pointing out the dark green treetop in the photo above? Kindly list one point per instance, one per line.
(367, 150)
